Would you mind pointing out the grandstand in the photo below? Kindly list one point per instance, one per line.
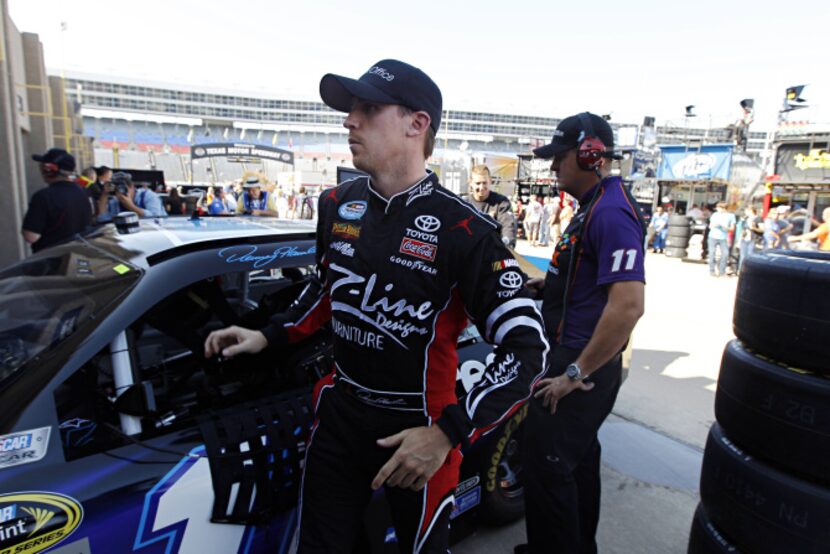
(150, 125)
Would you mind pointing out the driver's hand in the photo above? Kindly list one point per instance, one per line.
(421, 452)
(234, 340)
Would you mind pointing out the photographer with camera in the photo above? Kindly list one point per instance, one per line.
(121, 194)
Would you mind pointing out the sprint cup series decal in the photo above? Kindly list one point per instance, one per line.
(33, 521)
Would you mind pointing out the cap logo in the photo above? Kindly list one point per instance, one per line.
(382, 73)
(581, 136)
(558, 133)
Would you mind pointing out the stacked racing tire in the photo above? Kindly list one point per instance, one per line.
(677, 239)
(765, 482)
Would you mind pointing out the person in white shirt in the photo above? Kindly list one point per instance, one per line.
(533, 216)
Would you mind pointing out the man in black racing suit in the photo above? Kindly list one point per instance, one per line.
(403, 263)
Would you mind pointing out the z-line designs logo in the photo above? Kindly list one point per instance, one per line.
(346, 230)
(419, 249)
(424, 189)
(33, 521)
(395, 319)
(260, 259)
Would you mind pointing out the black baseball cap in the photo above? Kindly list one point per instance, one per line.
(61, 158)
(573, 130)
(386, 82)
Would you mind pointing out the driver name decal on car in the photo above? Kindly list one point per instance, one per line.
(33, 521)
(23, 447)
(261, 257)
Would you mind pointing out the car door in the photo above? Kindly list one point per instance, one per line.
(86, 472)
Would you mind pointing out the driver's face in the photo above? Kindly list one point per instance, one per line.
(480, 186)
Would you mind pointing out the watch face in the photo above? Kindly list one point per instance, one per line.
(572, 371)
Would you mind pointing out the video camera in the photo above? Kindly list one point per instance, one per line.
(120, 183)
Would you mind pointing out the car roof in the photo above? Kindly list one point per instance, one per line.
(160, 235)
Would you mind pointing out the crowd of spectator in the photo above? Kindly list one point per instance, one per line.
(74, 203)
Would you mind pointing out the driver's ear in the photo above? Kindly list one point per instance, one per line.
(419, 123)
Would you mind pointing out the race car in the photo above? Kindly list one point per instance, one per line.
(117, 435)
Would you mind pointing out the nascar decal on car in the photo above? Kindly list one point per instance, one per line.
(396, 319)
(261, 257)
(346, 230)
(419, 249)
(33, 521)
(343, 247)
(504, 264)
(512, 281)
(23, 447)
(353, 210)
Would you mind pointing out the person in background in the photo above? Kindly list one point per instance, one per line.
(750, 230)
(566, 214)
(593, 295)
(533, 216)
(695, 212)
(720, 225)
(127, 197)
(174, 204)
(784, 225)
(820, 233)
(660, 224)
(61, 209)
(256, 201)
(520, 219)
(492, 203)
(218, 206)
(555, 219)
(87, 178)
(281, 203)
(544, 222)
(771, 238)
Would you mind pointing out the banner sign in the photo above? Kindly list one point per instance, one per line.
(803, 162)
(711, 161)
(241, 150)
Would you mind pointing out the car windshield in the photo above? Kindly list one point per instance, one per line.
(51, 296)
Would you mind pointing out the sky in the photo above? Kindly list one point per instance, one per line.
(548, 58)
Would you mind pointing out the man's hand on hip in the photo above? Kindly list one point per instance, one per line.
(234, 340)
(553, 389)
(420, 453)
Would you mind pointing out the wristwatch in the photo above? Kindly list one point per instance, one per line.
(574, 372)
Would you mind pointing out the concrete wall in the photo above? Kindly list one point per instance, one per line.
(34, 116)
(40, 138)
(12, 171)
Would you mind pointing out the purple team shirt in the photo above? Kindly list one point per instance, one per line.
(610, 251)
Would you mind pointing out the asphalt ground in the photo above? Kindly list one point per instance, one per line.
(653, 442)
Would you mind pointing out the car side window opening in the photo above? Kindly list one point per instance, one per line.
(169, 383)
